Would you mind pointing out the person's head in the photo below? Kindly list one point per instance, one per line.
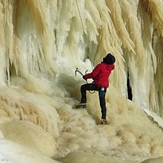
(109, 59)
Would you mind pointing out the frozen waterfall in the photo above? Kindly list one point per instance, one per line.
(42, 43)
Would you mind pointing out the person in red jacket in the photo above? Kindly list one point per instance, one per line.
(100, 76)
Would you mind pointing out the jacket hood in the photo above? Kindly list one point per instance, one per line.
(109, 59)
(109, 66)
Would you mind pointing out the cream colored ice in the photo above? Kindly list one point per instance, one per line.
(42, 42)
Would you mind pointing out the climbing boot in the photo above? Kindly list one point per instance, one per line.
(103, 121)
(81, 105)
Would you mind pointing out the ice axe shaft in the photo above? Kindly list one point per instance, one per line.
(78, 72)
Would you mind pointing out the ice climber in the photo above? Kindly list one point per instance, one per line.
(100, 76)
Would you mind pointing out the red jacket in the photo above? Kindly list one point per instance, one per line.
(100, 74)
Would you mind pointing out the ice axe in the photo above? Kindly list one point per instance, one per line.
(77, 71)
(82, 76)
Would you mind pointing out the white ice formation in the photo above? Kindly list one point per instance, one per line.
(42, 42)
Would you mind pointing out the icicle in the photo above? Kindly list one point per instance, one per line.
(120, 25)
(155, 9)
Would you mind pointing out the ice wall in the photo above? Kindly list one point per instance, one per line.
(41, 44)
(42, 37)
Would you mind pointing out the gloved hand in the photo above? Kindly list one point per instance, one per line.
(84, 77)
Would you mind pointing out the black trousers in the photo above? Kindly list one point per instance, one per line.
(91, 87)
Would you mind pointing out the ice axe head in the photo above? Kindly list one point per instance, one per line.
(78, 72)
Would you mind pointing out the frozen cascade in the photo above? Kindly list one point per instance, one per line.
(155, 117)
(42, 43)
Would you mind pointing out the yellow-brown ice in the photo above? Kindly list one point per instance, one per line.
(41, 45)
